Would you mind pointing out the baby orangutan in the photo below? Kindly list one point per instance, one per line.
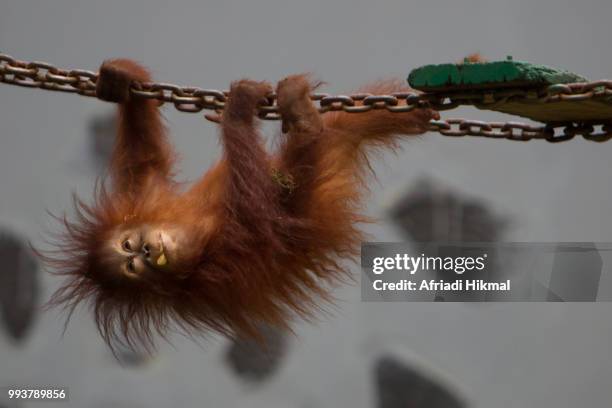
(255, 241)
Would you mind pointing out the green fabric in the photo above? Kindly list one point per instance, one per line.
(473, 75)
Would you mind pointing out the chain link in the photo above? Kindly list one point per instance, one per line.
(191, 99)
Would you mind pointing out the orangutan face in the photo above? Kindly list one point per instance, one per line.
(137, 251)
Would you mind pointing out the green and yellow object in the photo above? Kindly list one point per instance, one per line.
(514, 87)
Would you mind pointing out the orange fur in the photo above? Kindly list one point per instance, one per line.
(473, 58)
(259, 253)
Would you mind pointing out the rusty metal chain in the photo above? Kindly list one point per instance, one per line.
(521, 131)
(192, 99)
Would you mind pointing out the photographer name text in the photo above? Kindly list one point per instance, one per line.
(441, 285)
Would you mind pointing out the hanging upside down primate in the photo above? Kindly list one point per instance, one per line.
(255, 241)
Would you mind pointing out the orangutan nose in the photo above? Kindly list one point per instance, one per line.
(147, 250)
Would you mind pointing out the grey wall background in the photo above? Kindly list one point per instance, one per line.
(497, 355)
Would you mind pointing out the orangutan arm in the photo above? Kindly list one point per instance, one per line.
(142, 152)
(250, 193)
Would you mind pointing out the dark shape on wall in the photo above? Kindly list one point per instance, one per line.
(430, 213)
(400, 386)
(102, 129)
(18, 285)
(256, 361)
(130, 356)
